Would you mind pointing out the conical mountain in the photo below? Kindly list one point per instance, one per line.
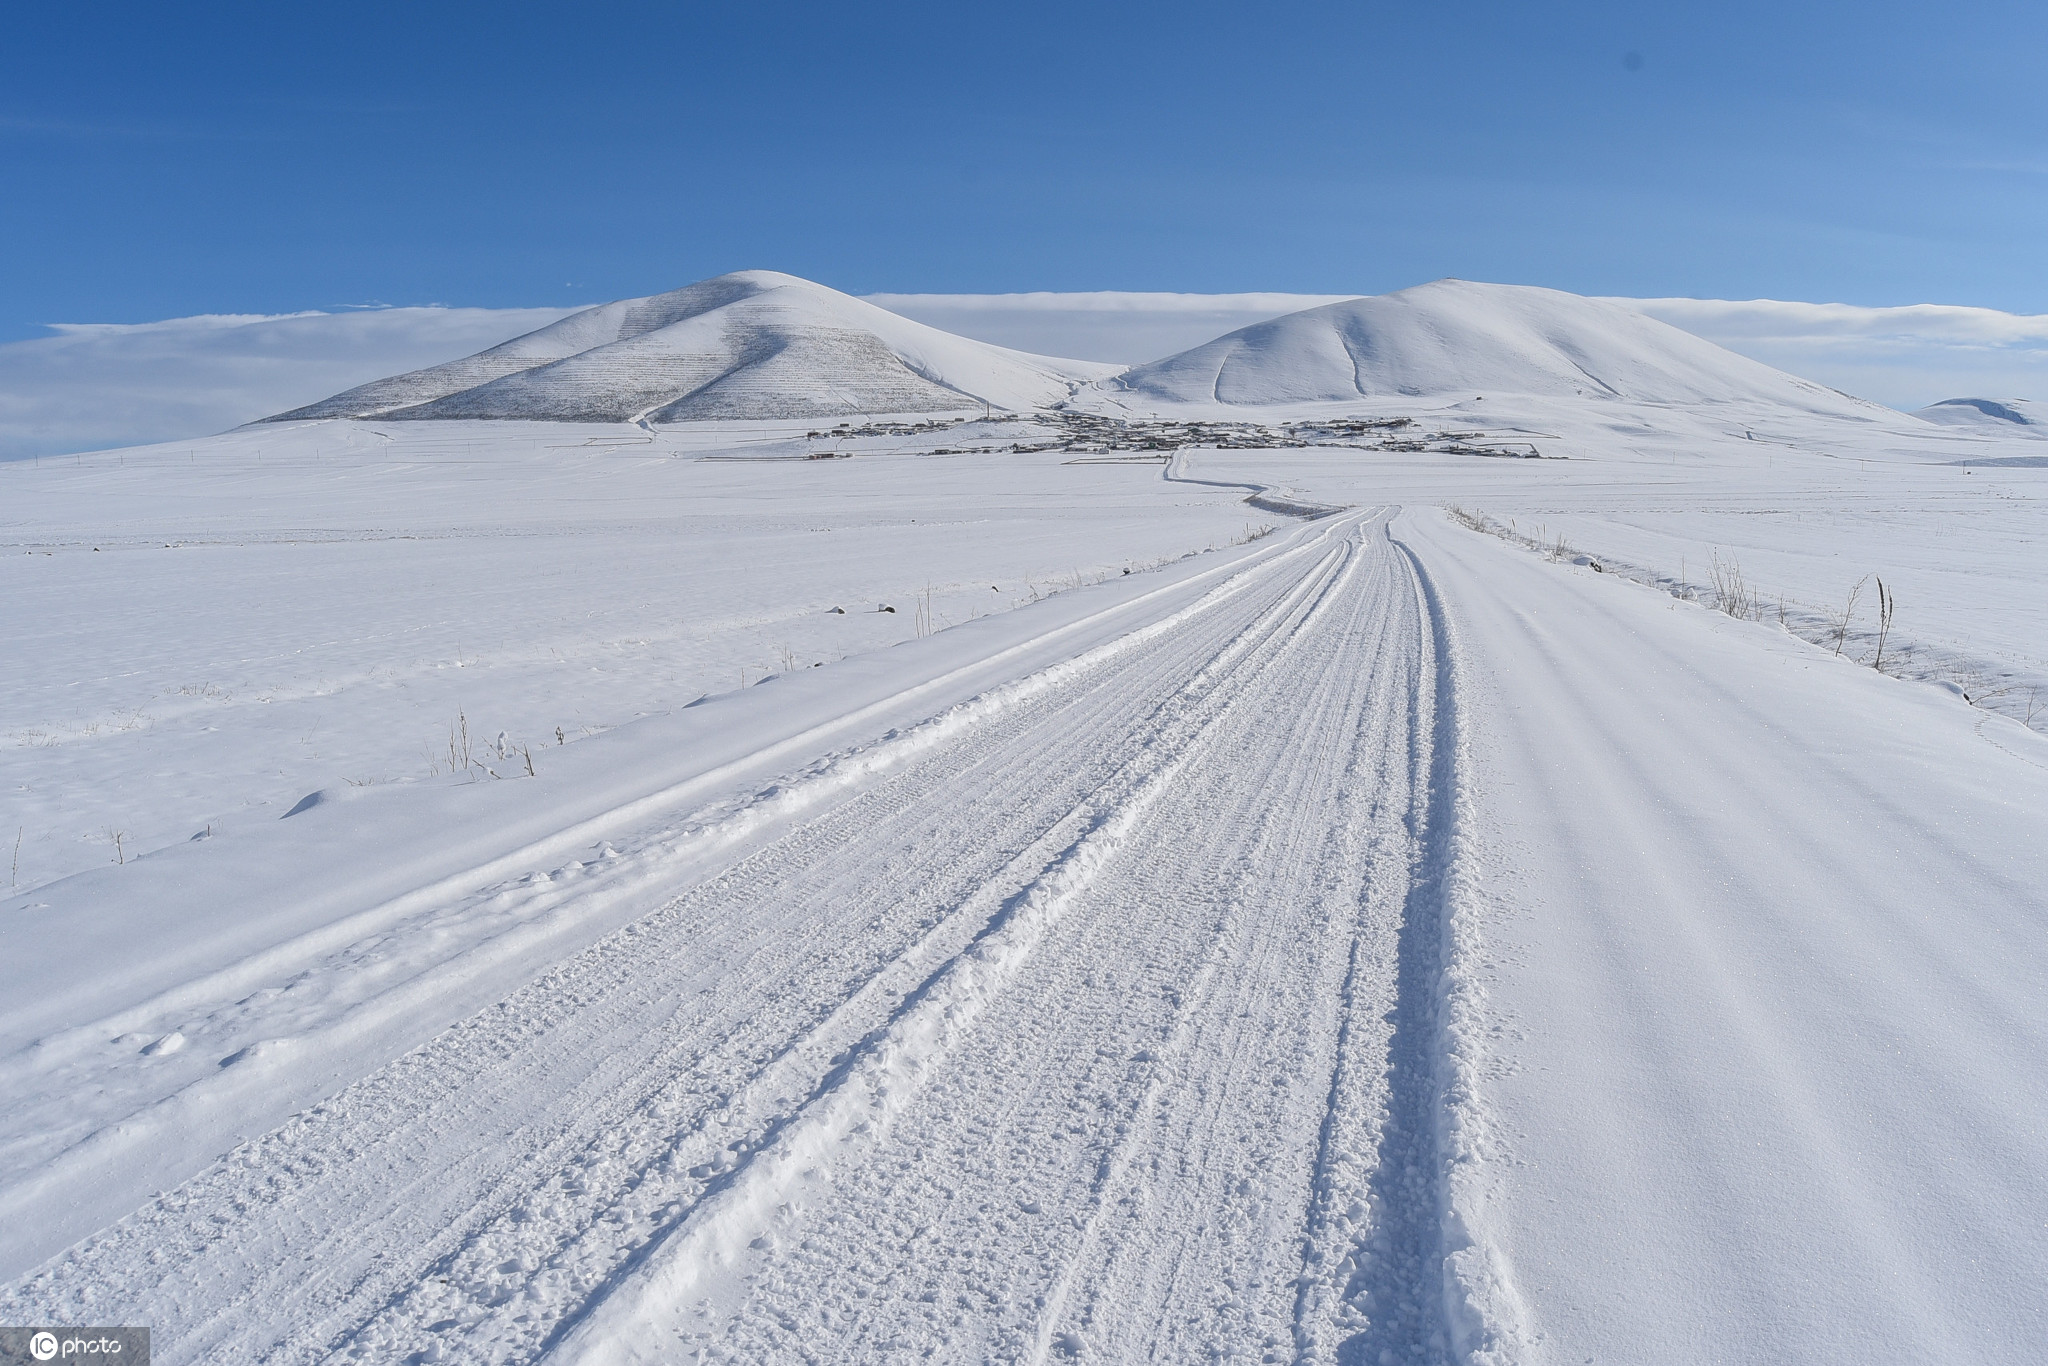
(1458, 337)
(752, 344)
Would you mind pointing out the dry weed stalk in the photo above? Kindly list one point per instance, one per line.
(1838, 623)
(1884, 624)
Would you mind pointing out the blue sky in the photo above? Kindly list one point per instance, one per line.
(171, 160)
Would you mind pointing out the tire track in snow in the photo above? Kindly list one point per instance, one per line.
(1395, 1288)
(350, 978)
(631, 1321)
(1115, 1174)
(1354, 862)
(368, 1226)
(1181, 1095)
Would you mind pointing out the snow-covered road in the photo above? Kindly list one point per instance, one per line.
(1104, 1026)
(1377, 944)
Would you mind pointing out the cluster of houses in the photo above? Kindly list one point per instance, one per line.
(1099, 435)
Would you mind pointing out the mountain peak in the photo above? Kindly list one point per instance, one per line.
(1465, 337)
(748, 344)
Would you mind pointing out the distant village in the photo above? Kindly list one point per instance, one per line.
(1094, 434)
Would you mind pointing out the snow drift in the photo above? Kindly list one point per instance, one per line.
(1458, 337)
(752, 344)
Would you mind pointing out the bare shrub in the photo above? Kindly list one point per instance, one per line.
(460, 755)
(1838, 622)
(1732, 593)
(1471, 521)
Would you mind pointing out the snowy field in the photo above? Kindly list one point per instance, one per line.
(1790, 513)
(1235, 907)
(204, 633)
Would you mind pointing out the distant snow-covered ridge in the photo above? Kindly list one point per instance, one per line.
(1904, 357)
(761, 345)
(95, 386)
(1457, 336)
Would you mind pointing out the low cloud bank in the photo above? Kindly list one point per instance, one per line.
(1907, 357)
(94, 385)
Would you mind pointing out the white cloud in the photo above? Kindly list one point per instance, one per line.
(1907, 357)
(97, 385)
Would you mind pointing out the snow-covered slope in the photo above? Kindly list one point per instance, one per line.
(752, 344)
(1458, 337)
(2004, 415)
(1125, 326)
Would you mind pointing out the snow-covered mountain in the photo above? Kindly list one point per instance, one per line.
(2002, 415)
(752, 344)
(1459, 337)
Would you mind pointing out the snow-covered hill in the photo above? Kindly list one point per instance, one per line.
(1125, 326)
(1458, 337)
(2008, 416)
(752, 344)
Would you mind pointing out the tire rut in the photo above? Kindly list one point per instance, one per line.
(1200, 1123)
(471, 1198)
